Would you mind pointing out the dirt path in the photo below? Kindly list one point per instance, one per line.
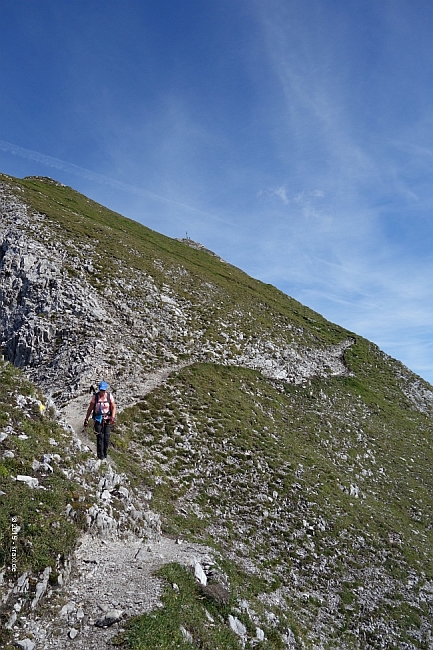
(109, 576)
(74, 412)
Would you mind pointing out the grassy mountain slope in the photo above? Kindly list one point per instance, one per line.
(297, 449)
(321, 492)
(34, 532)
(172, 302)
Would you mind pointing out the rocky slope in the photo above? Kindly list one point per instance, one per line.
(295, 452)
(68, 318)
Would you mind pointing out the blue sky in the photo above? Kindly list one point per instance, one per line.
(295, 139)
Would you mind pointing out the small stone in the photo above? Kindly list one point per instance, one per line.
(289, 639)
(9, 454)
(237, 627)
(28, 480)
(175, 587)
(25, 644)
(135, 514)
(209, 617)
(72, 633)
(111, 617)
(41, 587)
(354, 491)
(11, 622)
(21, 583)
(260, 635)
(200, 574)
(186, 635)
(68, 609)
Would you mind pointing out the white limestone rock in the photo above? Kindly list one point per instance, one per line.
(67, 609)
(200, 574)
(260, 635)
(186, 635)
(111, 617)
(32, 482)
(25, 644)
(41, 587)
(237, 627)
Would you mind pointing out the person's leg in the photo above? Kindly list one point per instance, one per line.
(99, 440)
(106, 438)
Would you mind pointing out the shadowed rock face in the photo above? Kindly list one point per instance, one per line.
(32, 292)
(46, 317)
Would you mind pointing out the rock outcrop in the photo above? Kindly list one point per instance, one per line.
(63, 327)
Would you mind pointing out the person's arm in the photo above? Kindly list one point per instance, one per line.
(113, 409)
(89, 410)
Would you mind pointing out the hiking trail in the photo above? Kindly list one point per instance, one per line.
(111, 578)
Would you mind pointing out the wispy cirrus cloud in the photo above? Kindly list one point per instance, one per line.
(70, 168)
(351, 215)
(281, 192)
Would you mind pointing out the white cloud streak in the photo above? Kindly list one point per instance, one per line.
(341, 216)
(70, 168)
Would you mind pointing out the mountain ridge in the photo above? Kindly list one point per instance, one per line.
(297, 450)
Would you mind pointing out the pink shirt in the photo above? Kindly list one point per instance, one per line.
(103, 405)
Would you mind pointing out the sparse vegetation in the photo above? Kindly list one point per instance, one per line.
(184, 606)
(44, 533)
(34, 531)
(286, 480)
(314, 489)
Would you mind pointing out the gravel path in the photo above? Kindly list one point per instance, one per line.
(75, 410)
(110, 578)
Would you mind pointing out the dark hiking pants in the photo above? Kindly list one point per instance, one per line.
(102, 430)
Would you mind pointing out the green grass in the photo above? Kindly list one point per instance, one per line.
(219, 437)
(186, 606)
(45, 534)
(119, 245)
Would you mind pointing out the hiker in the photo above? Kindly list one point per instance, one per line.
(104, 412)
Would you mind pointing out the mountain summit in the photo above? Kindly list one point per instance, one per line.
(291, 456)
